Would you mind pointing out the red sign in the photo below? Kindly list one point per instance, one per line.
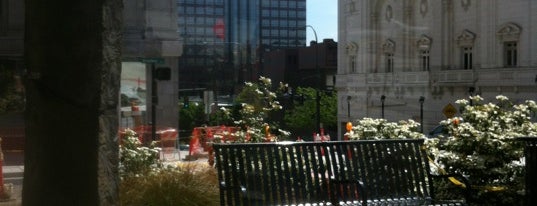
(219, 29)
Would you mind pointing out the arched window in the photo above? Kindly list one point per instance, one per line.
(466, 43)
(352, 50)
(424, 48)
(389, 50)
(509, 34)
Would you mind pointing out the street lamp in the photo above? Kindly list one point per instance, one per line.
(318, 96)
(349, 107)
(471, 91)
(382, 98)
(422, 99)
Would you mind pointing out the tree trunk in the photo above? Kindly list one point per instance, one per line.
(73, 62)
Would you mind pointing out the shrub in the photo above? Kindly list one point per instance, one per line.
(369, 128)
(481, 145)
(146, 181)
(135, 159)
(185, 184)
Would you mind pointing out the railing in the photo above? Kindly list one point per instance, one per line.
(454, 76)
(506, 76)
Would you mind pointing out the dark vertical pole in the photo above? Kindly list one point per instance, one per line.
(422, 99)
(319, 82)
(154, 102)
(471, 91)
(382, 98)
(318, 95)
(349, 108)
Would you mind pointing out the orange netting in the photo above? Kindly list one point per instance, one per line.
(203, 136)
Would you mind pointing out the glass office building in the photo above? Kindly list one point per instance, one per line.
(225, 39)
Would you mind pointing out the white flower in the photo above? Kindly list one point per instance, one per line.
(462, 102)
(502, 98)
(258, 92)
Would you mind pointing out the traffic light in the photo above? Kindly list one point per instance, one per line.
(163, 73)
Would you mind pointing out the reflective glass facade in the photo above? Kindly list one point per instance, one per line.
(225, 39)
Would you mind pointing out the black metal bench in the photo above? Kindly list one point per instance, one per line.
(366, 172)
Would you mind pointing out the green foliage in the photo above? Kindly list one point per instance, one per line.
(304, 113)
(191, 116)
(221, 116)
(185, 184)
(257, 102)
(369, 128)
(481, 145)
(11, 100)
(135, 159)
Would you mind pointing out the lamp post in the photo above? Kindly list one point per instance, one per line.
(422, 99)
(318, 96)
(349, 108)
(382, 98)
(471, 91)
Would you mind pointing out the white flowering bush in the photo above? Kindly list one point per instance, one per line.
(257, 101)
(136, 159)
(369, 128)
(482, 146)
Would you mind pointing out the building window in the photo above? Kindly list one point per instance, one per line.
(265, 13)
(425, 60)
(424, 48)
(389, 49)
(352, 64)
(509, 34)
(467, 58)
(466, 42)
(389, 62)
(510, 57)
(351, 6)
(352, 50)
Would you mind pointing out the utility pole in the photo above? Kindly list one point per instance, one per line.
(319, 82)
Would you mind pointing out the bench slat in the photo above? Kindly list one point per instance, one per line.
(362, 172)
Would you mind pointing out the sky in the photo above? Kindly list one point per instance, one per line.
(322, 16)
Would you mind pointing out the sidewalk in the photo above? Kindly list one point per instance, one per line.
(13, 172)
(13, 175)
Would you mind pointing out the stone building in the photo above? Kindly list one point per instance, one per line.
(441, 50)
(151, 41)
